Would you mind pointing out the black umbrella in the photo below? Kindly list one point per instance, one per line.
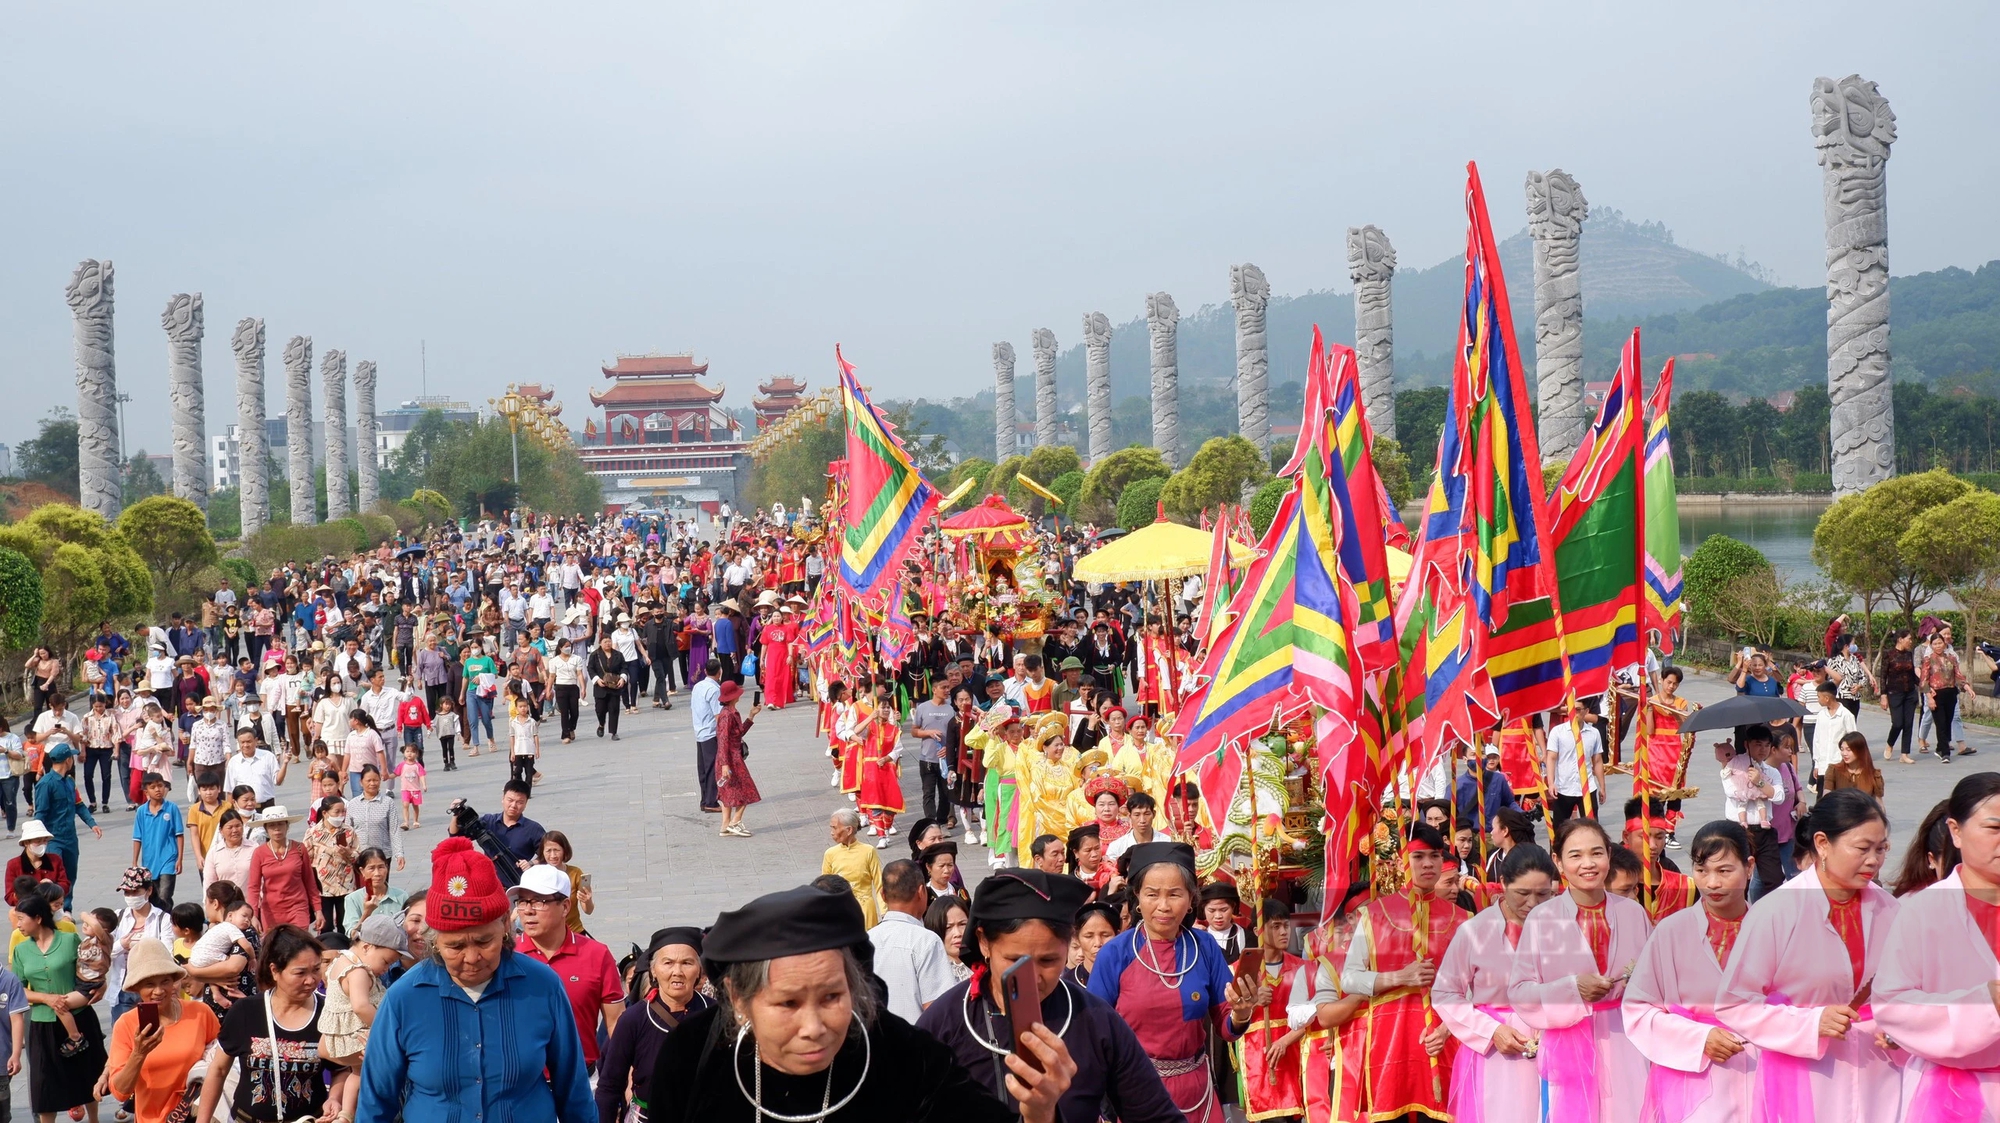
(1744, 709)
(412, 551)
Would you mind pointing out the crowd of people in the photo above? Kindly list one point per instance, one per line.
(1502, 953)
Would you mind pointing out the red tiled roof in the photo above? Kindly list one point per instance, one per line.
(784, 384)
(776, 405)
(649, 391)
(534, 390)
(683, 366)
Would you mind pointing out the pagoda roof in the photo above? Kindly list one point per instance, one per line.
(782, 385)
(534, 390)
(784, 404)
(635, 392)
(671, 366)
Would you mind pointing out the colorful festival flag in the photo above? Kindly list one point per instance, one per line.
(1343, 484)
(1593, 518)
(888, 500)
(1220, 585)
(1477, 617)
(1662, 616)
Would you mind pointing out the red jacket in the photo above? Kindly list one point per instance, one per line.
(413, 712)
(52, 870)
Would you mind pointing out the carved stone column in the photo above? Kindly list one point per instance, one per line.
(1043, 343)
(298, 429)
(182, 320)
(1853, 128)
(1371, 265)
(333, 384)
(99, 468)
(1163, 336)
(367, 464)
(1556, 210)
(1097, 382)
(1004, 417)
(1251, 294)
(253, 479)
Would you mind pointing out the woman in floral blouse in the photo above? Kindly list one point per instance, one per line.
(329, 843)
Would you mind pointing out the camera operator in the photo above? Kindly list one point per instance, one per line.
(510, 838)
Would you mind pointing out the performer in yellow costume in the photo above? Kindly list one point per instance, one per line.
(998, 740)
(1045, 779)
(1089, 766)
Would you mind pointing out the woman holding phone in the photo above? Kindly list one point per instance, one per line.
(155, 1046)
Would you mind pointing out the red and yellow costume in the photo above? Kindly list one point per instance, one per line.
(1272, 1091)
(881, 793)
(850, 729)
(1332, 1057)
(1401, 1078)
(1040, 697)
(1661, 746)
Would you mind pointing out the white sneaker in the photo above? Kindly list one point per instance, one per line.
(882, 845)
(833, 781)
(890, 832)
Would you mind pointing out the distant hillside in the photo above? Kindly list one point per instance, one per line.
(1630, 270)
(1943, 326)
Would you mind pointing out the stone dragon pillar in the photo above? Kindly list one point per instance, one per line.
(1556, 210)
(1043, 343)
(1097, 382)
(367, 465)
(333, 383)
(298, 429)
(1371, 265)
(99, 470)
(1251, 294)
(1163, 336)
(1853, 129)
(253, 478)
(185, 397)
(1004, 417)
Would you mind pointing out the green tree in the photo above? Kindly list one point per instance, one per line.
(140, 480)
(1108, 478)
(1858, 542)
(1803, 432)
(1001, 478)
(1958, 547)
(50, 457)
(1138, 504)
(1707, 434)
(76, 596)
(1219, 472)
(1042, 466)
(1419, 423)
(1264, 505)
(927, 449)
(172, 538)
(1713, 566)
(21, 600)
(971, 468)
(1393, 466)
(1066, 486)
(797, 468)
(225, 514)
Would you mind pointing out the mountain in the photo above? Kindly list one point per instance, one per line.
(1630, 271)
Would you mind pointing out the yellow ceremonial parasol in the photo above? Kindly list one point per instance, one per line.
(1399, 565)
(1156, 553)
(957, 494)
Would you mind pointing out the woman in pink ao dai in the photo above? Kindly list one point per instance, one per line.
(1936, 995)
(1494, 1078)
(1701, 1071)
(1797, 985)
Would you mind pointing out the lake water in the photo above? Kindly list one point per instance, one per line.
(1782, 531)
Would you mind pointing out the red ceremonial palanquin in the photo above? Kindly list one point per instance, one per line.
(1401, 1078)
(1272, 1091)
(1332, 1058)
(1660, 749)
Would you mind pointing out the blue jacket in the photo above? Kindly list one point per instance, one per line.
(437, 1057)
(58, 808)
(1499, 796)
(1201, 988)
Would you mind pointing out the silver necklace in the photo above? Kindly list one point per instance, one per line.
(826, 1105)
(965, 1014)
(1142, 950)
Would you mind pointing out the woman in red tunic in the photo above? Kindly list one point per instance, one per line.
(776, 662)
(1171, 983)
(880, 796)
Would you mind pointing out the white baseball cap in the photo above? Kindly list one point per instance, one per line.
(543, 881)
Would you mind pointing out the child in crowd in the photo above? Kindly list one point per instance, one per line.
(526, 735)
(412, 718)
(1744, 781)
(89, 988)
(354, 989)
(446, 726)
(226, 954)
(410, 783)
(324, 774)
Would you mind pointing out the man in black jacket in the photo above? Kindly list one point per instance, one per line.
(656, 631)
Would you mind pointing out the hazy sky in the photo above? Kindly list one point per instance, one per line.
(532, 189)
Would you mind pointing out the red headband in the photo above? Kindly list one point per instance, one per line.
(1644, 825)
(1417, 844)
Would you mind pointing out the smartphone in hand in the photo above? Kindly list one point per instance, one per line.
(1250, 964)
(1023, 992)
(149, 1016)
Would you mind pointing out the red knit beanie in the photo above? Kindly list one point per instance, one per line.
(465, 889)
